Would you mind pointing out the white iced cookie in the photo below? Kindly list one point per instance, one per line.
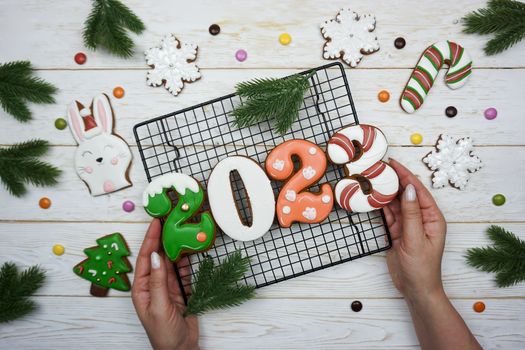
(102, 158)
(349, 36)
(258, 190)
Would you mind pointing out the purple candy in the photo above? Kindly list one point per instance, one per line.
(491, 113)
(128, 206)
(241, 55)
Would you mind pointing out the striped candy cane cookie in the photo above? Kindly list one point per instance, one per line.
(426, 71)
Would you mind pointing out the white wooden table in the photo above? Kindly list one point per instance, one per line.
(312, 311)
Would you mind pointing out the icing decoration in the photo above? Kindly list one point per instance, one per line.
(58, 249)
(172, 64)
(106, 265)
(285, 39)
(490, 113)
(451, 111)
(452, 162)
(293, 201)
(241, 55)
(278, 164)
(383, 96)
(349, 36)
(44, 203)
(118, 92)
(222, 201)
(400, 43)
(214, 29)
(416, 138)
(312, 150)
(128, 206)
(369, 183)
(80, 58)
(92, 128)
(498, 199)
(426, 71)
(179, 236)
(60, 123)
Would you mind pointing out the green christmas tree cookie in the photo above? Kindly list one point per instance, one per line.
(106, 265)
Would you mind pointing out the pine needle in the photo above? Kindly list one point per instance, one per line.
(504, 18)
(506, 257)
(19, 165)
(15, 290)
(273, 99)
(216, 287)
(18, 86)
(106, 27)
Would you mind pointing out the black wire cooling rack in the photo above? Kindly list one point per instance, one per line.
(195, 139)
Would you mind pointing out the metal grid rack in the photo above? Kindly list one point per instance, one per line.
(195, 139)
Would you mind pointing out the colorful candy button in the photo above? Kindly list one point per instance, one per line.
(400, 43)
(356, 306)
(383, 96)
(80, 58)
(58, 249)
(416, 138)
(60, 123)
(214, 29)
(128, 206)
(118, 92)
(479, 306)
(490, 113)
(451, 111)
(285, 39)
(241, 55)
(44, 203)
(201, 236)
(498, 199)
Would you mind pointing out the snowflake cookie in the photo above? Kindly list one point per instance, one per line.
(172, 64)
(452, 162)
(350, 36)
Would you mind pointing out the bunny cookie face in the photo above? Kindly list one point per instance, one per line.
(102, 158)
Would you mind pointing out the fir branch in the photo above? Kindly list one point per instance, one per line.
(506, 257)
(216, 287)
(18, 86)
(106, 27)
(271, 99)
(19, 165)
(505, 18)
(15, 290)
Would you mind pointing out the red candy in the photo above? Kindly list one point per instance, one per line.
(80, 58)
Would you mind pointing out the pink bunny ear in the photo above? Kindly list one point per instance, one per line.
(103, 113)
(76, 124)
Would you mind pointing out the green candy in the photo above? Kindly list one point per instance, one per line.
(60, 123)
(498, 199)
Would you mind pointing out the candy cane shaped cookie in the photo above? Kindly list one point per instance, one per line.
(369, 183)
(426, 71)
(293, 203)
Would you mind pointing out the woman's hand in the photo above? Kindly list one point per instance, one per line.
(418, 229)
(157, 297)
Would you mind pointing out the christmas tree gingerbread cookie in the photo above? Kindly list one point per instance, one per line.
(179, 236)
(106, 265)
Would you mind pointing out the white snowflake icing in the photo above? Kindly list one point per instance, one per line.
(172, 64)
(452, 162)
(349, 35)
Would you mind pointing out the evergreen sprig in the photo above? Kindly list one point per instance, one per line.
(506, 257)
(18, 87)
(106, 27)
(15, 290)
(504, 18)
(271, 99)
(19, 165)
(216, 287)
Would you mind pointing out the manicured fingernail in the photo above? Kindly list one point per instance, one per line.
(155, 260)
(410, 193)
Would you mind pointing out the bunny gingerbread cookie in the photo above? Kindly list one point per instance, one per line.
(102, 158)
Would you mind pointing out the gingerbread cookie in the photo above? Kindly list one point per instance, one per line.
(349, 36)
(259, 193)
(172, 64)
(106, 265)
(179, 236)
(426, 71)
(102, 158)
(293, 202)
(369, 183)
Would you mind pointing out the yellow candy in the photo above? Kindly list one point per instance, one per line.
(285, 39)
(416, 138)
(58, 249)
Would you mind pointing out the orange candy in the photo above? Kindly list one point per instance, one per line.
(44, 203)
(201, 236)
(118, 92)
(383, 96)
(479, 306)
